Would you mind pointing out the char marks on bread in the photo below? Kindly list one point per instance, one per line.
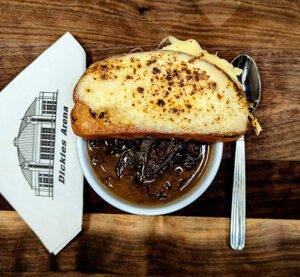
(160, 93)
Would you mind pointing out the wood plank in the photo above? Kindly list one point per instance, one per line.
(55, 274)
(273, 191)
(174, 245)
(161, 245)
(268, 31)
(131, 23)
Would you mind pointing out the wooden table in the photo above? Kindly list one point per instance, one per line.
(194, 240)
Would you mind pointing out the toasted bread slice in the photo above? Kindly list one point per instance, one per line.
(158, 93)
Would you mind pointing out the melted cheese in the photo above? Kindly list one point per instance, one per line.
(164, 92)
(192, 47)
(254, 122)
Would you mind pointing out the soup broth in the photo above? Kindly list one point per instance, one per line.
(148, 171)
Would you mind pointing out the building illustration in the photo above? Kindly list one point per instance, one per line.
(36, 143)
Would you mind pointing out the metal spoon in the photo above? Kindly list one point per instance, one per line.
(250, 80)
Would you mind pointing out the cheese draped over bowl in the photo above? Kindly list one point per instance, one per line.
(192, 47)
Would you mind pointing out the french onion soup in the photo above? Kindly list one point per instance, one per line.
(148, 171)
(149, 118)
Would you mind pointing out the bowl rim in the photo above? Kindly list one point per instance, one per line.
(208, 175)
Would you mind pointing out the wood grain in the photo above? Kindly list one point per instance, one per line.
(269, 31)
(273, 191)
(137, 245)
(178, 244)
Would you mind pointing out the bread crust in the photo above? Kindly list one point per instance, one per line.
(113, 120)
(88, 127)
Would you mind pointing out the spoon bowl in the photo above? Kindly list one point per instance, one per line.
(250, 79)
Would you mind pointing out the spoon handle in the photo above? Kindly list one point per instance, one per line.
(238, 207)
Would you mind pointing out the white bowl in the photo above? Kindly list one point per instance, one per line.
(209, 173)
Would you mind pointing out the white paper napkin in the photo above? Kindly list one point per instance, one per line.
(40, 175)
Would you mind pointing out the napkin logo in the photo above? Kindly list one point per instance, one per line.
(62, 170)
(36, 142)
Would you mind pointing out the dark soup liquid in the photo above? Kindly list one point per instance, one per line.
(148, 171)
